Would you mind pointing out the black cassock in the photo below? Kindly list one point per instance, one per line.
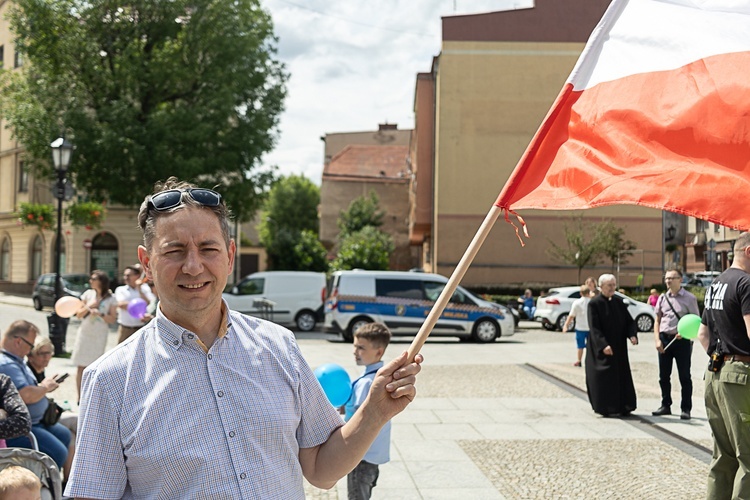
(608, 379)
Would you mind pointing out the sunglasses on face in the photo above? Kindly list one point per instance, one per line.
(172, 198)
(26, 342)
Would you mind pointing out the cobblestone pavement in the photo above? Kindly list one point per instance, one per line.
(572, 468)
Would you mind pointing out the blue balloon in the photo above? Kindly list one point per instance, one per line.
(335, 383)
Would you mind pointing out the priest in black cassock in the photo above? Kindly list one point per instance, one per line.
(608, 378)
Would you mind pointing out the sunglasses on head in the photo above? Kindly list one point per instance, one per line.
(172, 198)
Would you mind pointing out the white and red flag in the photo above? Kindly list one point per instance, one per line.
(656, 113)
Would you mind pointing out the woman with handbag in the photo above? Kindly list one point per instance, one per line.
(99, 311)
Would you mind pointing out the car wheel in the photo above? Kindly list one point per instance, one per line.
(645, 323)
(561, 322)
(485, 330)
(548, 326)
(355, 325)
(306, 321)
(37, 303)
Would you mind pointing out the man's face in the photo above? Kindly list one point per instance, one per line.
(365, 353)
(189, 263)
(22, 344)
(673, 280)
(130, 277)
(608, 288)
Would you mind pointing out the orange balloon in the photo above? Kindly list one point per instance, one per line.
(67, 306)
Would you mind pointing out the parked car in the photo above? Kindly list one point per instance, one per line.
(44, 288)
(553, 309)
(402, 301)
(689, 279)
(706, 277)
(290, 298)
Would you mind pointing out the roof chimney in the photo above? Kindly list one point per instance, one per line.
(387, 126)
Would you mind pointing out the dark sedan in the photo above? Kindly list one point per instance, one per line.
(44, 288)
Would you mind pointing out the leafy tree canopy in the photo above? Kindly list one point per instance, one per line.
(587, 243)
(368, 248)
(289, 222)
(148, 89)
(362, 212)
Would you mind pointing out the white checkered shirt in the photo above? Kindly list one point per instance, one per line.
(161, 418)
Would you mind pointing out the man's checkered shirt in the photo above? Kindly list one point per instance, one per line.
(161, 418)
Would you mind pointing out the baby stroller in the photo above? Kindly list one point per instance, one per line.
(38, 463)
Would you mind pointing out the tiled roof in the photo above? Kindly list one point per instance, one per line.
(386, 162)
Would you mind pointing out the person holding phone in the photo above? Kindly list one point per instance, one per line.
(39, 357)
(54, 440)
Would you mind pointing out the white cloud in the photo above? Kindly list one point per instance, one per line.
(353, 65)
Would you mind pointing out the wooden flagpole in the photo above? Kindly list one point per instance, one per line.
(455, 279)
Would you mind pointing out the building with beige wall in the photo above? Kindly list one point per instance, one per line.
(355, 171)
(488, 90)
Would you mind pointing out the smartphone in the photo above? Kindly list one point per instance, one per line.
(62, 377)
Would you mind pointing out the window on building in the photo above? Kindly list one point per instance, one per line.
(701, 225)
(5, 260)
(18, 59)
(36, 258)
(2, 56)
(23, 178)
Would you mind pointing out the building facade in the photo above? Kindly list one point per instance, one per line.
(359, 163)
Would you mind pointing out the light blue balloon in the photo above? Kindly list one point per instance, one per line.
(335, 383)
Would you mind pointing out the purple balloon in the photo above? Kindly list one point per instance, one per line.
(137, 308)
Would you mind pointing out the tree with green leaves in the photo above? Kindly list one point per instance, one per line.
(581, 247)
(289, 226)
(587, 243)
(613, 244)
(148, 89)
(362, 212)
(361, 244)
(369, 248)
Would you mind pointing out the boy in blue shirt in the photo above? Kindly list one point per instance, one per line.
(370, 342)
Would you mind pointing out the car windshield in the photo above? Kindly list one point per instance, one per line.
(77, 283)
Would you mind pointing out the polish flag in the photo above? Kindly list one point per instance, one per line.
(655, 113)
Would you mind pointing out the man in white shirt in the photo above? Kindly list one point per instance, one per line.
(205, 402)
(134, 288)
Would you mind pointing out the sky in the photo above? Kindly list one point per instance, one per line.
(352, 66)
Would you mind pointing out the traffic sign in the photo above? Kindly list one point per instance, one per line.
(87, 244)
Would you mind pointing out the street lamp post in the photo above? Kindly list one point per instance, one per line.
(61, 152)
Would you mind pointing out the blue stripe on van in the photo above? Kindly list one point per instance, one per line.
(409, 308)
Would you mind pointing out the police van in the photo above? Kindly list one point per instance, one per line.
(402, 301)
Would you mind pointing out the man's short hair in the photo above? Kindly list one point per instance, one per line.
(14, 478)
(136, 270)
(376, 333)
(674, 270)
(20, 327)
(585, 290)
(743, 241)
(605, 278)
(147, 218)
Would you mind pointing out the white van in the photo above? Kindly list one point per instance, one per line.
(290, 298)
(402, 300)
